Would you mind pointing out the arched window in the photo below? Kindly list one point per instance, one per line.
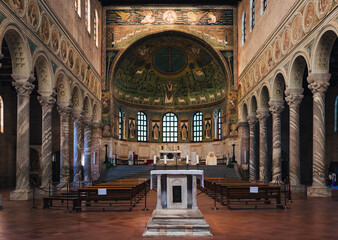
(87, 16)
(197, 127)
(252, 14)
(96, 28)
(336, 115)
(243, 28)
(219, 125)
(120, 124)
(1, 115)
(78, 7)
(169, 127)
(141, 127)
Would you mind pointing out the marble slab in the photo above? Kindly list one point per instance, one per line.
(177, 172)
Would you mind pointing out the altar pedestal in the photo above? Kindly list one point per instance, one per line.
(176, 213)
(171, 155)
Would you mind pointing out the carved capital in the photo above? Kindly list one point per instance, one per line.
(46, 101)
(262, 114)
(87, 122)
(23, 88)
(319, 87)
(243, 124)
(77, 116)
(294, 97)
(64, 111)
(252, 120)
(276, 106)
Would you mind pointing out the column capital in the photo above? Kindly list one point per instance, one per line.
(276, 106)
(88, 121)
(23, 88)
(294, 96)
(252, 120)
(77, 115)
(97, 125)
(47, 101)
(64, 111)
(319, 82)
(262, 114)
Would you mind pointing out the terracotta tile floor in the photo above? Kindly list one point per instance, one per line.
(307, 218)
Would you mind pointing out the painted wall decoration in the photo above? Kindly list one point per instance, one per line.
(2, 17)
(33, 14)
(229, 58)
(169, 16)
(44, 30)
(156, 129)
(132, 128)
(207, 128)
(184, 130)
(169, 69)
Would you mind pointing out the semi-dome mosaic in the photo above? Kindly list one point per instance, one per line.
(169, 68)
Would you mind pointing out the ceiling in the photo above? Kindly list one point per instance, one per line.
(167, 3)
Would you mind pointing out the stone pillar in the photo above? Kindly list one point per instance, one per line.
(22, 188)
(77, 148)
(64, 144)
(194, 193)
(318, 84)
(252, 120)
(87, 150)
(243, 132)
(276, 108)
(96, 146)
(294, 98)
(262, 115)
(47, 103)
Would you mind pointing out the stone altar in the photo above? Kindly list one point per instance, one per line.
(171, 155)
(176, 212)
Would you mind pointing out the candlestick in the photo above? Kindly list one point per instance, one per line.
(187, 158)
(197, 159)
(244, 156)
(154, 159)
(165, 159)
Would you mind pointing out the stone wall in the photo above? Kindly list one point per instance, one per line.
(266, 25)
(77, 28)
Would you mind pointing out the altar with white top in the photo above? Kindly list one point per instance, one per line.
(170, 155)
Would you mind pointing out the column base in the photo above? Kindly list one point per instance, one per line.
(298, 188)
(276, 182)
(319, 191)
(21, 195)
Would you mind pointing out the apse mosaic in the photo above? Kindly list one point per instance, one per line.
(169, 69)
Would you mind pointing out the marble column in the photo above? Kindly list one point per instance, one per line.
(22, 188)
(47, 103)
(252, 120)
(293, 98)
(96, 143)
(262, 115)
(87, 150)
(276, 108)
(318, 84)
(77, 148)
(64, 144)
(243, 130)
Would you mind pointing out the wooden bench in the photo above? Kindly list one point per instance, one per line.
(48, 201)
(239, 196)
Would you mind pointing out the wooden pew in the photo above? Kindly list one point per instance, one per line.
(238, 196)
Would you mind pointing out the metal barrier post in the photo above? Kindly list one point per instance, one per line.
(145, 199)
(215, 199)
(67, 211)
(34, 207)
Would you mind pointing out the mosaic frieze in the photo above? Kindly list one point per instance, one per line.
(169, 16)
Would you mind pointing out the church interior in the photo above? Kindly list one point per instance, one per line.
(97, 97)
